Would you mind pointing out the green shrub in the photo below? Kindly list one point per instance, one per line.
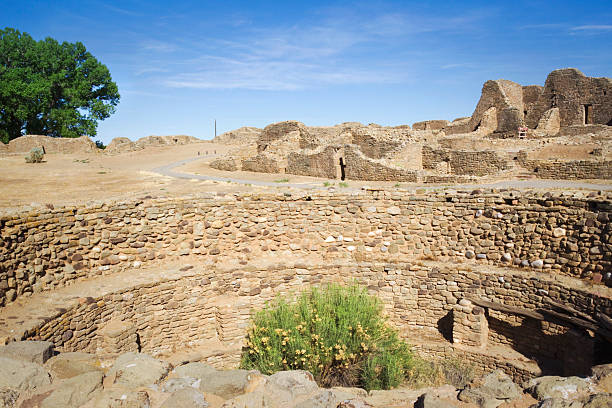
(283, 180)
(343, 184)
(36, 155)
(336, 332)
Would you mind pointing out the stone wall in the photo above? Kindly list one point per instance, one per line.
(261, 163)
(316, 164)
(359, 167)
(430, 125)
(471, 163)
(213, 306)
(567, 169)
(42, 249)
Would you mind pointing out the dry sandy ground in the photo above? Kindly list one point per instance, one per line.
(74, 178)
(65, 179)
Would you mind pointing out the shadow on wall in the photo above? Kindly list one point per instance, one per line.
(571, 353)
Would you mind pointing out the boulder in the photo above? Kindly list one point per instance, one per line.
(186, 398)
(133, 370)
(68, 365)
(118, 397)
(280, 390)
(224, 383)
(31, 351)
(558, 403)
(326, 398)
(429, 400)
(492, 390)
(603, 400)
(557, 387)
(22, 376)
(175, 384)
(75, 391)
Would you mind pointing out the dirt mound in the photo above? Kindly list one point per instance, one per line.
(241, 136)
(123, 144)
(25, 143)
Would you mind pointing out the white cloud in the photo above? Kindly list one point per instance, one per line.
(595, 27)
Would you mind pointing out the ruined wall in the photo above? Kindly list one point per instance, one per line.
(277, 131)
(567, 169)
(359, 167)
(570, 90)
(470, 163)
(419, 298)
(320, 164)
(261, 163)
(43, 249)
(430, 125)
(225, 164)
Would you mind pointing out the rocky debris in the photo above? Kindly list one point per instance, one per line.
(68, 365)
(242, 136)
(31, 351)
(21, 376)
(118, 397)
(558, 387)
(121, 145)
(134, 370)
(75, 391)
(8, 397)
(603, 400)
(491, 390)
(603, 375)
(186, 398)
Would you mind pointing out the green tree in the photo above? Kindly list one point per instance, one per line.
(53, 89)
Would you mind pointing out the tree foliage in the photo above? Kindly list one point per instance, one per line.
(53, 89)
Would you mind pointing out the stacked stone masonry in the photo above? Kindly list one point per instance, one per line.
(43, 248)
(408, 249)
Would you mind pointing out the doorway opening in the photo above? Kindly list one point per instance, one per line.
(588, 114)
(342, 171)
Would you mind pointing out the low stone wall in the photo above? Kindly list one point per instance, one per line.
(359, 167)
(466, 163)
(42, 249)
(317, 164)
(224, 164)
(567, 170)
(215, 305)
(261, 164)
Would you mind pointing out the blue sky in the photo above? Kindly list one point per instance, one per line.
(180, 65)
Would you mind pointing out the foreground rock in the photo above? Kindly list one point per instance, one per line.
(17, 377)
(133, 370)
(186, 398)
(491, 391)
(75, 392)
(68, 365)
(31, 351)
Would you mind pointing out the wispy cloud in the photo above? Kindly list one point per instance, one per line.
(329, 51)
(593, 27)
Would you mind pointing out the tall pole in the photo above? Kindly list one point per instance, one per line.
(215, 127)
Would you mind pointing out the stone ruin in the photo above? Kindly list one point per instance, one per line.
(152, 287)
(569, 111)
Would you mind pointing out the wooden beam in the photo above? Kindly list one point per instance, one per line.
(507, 309)
(605, 320)
(571, 311)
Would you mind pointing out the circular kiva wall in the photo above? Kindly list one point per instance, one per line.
(422, 255)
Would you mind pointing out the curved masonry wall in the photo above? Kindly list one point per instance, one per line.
(409, 249)
(43, 249)
(420, 299)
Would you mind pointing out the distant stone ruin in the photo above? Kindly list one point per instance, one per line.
(508, 135)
